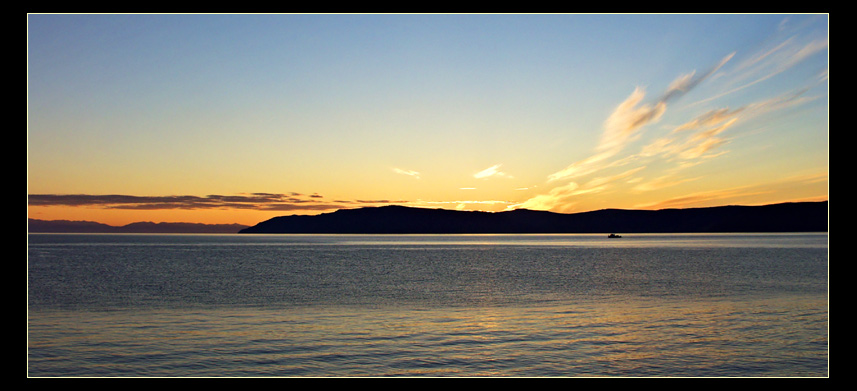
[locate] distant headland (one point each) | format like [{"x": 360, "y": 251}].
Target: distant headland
[
  {"x": 68, "y": 226},
  {"x": 784, "y": 217}
]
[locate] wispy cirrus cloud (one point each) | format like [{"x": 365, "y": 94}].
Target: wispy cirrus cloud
[
  {"x": 696, "y": 139},
  {"x": 560, "y": 198},
  {"x": 692, "y": 145},
  {"x": 694, "y": 142},
  {"x": 710, "y": 118},
  {"x": 767, "y": 64},
  {"x": 557, "y": 198},
  {"x": 661, "y": 182},
  {"x": 620, "y": 128},
  {"x": 700, "y": 198},
  {"x": 629, "y": 117},
  {"x": 773, "y": 58},
  {"x": 742, "y": 192}
]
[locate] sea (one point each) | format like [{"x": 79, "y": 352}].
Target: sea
[{"x": 565, "y": 306}]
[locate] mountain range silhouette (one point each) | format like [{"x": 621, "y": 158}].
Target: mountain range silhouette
[
  {"x": 68, "y": 226},
  {"x": 784, "y": 217}
]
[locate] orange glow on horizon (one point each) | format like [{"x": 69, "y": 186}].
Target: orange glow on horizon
[
  {"x": 120, "y": 217},
  {"x": 117, "y": 217}
]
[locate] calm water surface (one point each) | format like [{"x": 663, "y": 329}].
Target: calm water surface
[{"x": 428, "y": 305}]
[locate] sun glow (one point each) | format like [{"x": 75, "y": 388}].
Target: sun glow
[{"x": 221, "y": 125}]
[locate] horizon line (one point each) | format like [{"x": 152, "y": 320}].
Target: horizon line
[{"x": 430, "y": 208}]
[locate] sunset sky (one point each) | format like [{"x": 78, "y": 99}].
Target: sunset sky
[{"x": 240, "y": 118}]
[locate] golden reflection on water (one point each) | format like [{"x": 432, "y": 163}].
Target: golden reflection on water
[{"x": 619, "y": 338}]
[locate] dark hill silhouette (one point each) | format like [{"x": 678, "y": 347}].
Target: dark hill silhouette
[
  {"x": 67, "y": 226},
  {"x": 785, "y": 217}
]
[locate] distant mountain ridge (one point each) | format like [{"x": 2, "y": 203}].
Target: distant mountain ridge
[
  {"x": 784, "y": 217},
  {"x": 67, "y": 226}
]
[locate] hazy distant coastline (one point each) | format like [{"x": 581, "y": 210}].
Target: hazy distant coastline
[{"x": 66, "y": 226}]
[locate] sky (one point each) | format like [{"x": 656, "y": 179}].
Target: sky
[{"x": 238, "y": 118}]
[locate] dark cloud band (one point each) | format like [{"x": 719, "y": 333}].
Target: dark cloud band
[{"x": 252, "y": 201}]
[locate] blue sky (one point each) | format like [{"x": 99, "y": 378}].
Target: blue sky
[{"x": 489, "y": 112}]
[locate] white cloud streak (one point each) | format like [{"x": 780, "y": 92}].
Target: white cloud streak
[
  {"x": 626, "y": 121},
  {"x": 411, "y": 173},
  {"x": 687, "y": 144},
  {"x": 490, "y": 172}
]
